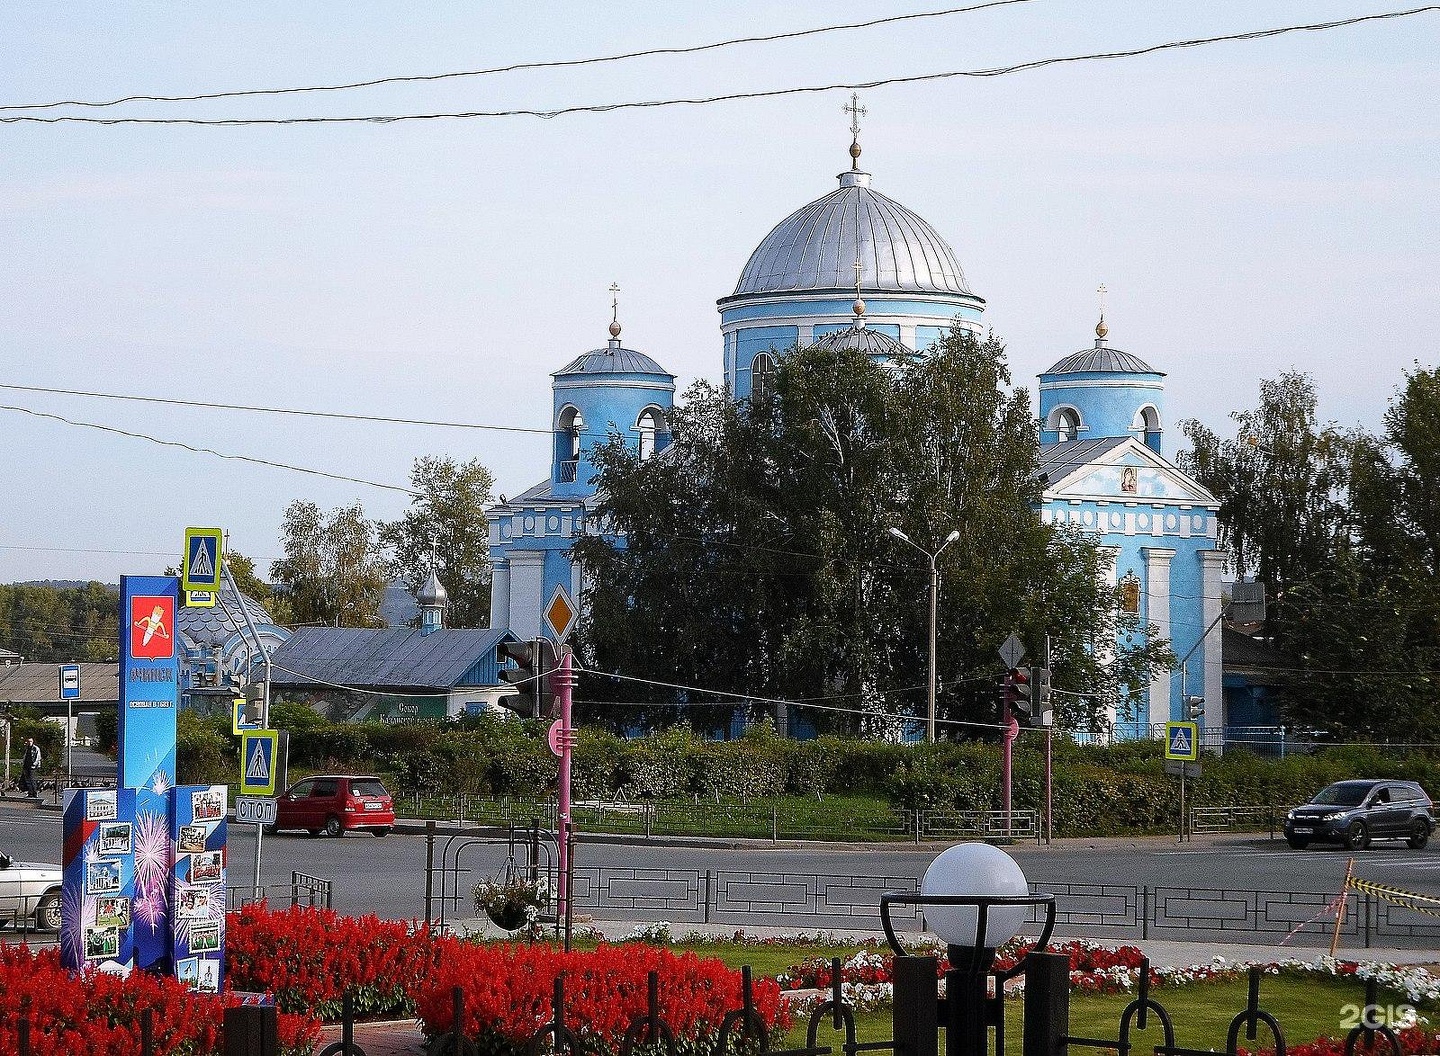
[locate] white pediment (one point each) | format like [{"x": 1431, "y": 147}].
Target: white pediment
[{"x": 1128, "y": 472}]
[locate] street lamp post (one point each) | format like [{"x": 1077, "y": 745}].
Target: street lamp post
[{"x": 934, "y": 602}]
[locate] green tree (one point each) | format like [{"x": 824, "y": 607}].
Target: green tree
[
  {"x": 333, "y": 571},
  {"x": 46, "y": 624},
  {"x": 446, "y": 524},
  {"x": 1282, "y": 483},
  {"x": 1343, "y": 530},
  {"x": 757, "y": 558}
]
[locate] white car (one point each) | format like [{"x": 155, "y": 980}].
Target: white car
[{"x": 29, "y": 889}]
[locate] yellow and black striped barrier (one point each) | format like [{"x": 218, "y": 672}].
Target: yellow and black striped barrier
[{"x": 1427, "y": 904}]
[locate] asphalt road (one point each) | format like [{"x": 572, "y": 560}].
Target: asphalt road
[{"x": 387, "y": 876}]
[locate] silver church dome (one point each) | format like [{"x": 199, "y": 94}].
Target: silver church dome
[{"x": 815, "y": 248}]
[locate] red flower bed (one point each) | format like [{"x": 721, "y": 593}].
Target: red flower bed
[
  {"x": 309, "y": 958},
  {"x": 1413, "y": 1041},
  {"x": 1089, "y": 964},
  {"x": 94, "y": 1012},
  {"x": 509, "y": 989}
]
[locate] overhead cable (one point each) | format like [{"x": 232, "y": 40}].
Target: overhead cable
[
  {"x": 652, "y": 104},
  {"x": 518, "y": 66},
  {"x": 209, "y": 450}
]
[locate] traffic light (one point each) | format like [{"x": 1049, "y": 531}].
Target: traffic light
[
  {"x": 1040, "y": 694},
  {"x": 534, "y": 664},
  {"x": 1194, "y": 708},
  {"x": 1019, "y": 691}
]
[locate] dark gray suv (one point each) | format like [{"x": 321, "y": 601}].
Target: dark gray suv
[{"x": 1355, "y": 812}]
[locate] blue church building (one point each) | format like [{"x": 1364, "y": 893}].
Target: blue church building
[{"x": 857, "y": 267}]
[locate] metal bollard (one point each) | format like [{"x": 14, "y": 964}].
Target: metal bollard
[{"x": 251, "y": 1031}]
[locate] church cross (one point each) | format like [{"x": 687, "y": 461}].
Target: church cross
[
  {"x": 1102, "y": 291},
  {"x": 856, "y": 112},
  {"x": 614, "y": 302}
]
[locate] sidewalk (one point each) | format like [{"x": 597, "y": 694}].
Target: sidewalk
[{"x": 403, "y": 1038}]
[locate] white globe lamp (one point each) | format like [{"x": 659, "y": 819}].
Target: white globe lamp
[{"x": 975, "y": 870}]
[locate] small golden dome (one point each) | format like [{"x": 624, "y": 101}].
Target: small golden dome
[
  {"x": 615, "y": 329},
  {"x": 855, "y": 149},
  {"x": 858, "y": 307},
  {"x": 1101, "y": 329}
]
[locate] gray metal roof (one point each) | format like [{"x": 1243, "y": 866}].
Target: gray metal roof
[
  {"x": 815, "y": 248},
  {"x": 215, "y": 625},
  {"x": 1102, "y": 360},
  {"x": 40, "y": 683},
  {"x": 1058, "y": 461},
  {"x": 862, "y": 339},
  {"x": 394, "y": 657},
  {"x": 613, "y": 360}
]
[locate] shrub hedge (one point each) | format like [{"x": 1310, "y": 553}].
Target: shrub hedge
[{"x": 1096, "y": 790}]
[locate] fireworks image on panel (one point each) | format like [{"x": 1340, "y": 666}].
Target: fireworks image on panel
[{"x": 152, "y": 868}]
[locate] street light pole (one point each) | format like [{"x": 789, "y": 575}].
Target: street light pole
[{"x": 934, "y": 606}]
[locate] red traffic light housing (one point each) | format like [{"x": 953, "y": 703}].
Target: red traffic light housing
[
  {"x": 1018, "y": 690},
  {"x": 534, "y": 663}
]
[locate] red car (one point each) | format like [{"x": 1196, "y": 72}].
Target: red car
[{"x": 335, "y": 804}]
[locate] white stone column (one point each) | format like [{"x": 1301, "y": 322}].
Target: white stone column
[
  {"x": 527, "y": 583},
  {"x": 1212, "y": 563},
  {"x": 1157, "y": 612},
  {"x": 1105, "y": 651},
  {"x": 500, "y": 595}
]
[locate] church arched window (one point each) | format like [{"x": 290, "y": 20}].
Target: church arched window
[
  {"x": 649, "y": 425},
  {"x": 762, "y": 375},
  {"x": 1067, "y": 424},
  {"x": 1148, "y": 421},
  {"x": 568, "y": 428}
]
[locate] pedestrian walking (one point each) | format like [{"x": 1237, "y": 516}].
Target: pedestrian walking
[{"x": 30, "y": 769}]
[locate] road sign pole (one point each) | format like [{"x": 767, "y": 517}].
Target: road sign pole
[
  {"x": 255, "y": 886},
  {"x": 1182, "y": 804},
  {"x": 566, "y": 738}
]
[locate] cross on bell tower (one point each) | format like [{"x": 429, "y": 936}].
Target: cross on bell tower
[{"x": 856, "y": 111}]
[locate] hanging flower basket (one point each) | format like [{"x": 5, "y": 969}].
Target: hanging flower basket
[{"x": 511, "y": 901}]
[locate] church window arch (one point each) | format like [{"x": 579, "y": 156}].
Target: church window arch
[
  {"x": 762, "y": 375},
  {"x": 568, "y": 426},
  {"x": 650, "y": 425},
  {"x": 1147, "y": 421},
  {"x": 1066, "y": 423}
]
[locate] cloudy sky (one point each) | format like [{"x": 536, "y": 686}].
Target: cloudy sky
[{"x": 1251, "y": 206}]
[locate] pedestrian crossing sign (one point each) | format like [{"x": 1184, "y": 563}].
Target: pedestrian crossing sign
[
  {"x": 204, "y": 550},
  {"x": 260, "y": 762},
  {"x": 1182, "y": 741}
]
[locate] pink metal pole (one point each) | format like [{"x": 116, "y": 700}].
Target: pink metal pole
[
  {"x": 1009, "y": 738},
  {"x": 567, "y": 741}
]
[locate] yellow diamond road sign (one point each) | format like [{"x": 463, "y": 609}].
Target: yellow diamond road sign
[{"x": 560, "y": 615}]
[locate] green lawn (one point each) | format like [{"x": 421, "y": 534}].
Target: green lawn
[
  {"x": 1201, "y": 1014},
  {"x": 1306, "y": 1008}
]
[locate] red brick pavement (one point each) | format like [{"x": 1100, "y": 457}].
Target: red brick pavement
[{"x": 401, "y": 1038}]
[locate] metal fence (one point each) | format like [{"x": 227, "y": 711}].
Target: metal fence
[
  {"x": 302, "y": 890},
  {"x": 735, "y": 820},
  {"x": 740, "y": 897}
]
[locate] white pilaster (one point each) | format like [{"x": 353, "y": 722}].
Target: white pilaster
[
  {"x": 527, "y": 583},
  {"x": 500, "y": 594},
  {"x": 1212, "y": 563},
  {"x": 1157, "y": 612}
]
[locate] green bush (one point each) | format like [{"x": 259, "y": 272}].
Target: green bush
[{"x": 1097, "y": 790}]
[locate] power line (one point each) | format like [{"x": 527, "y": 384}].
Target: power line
[
  {"x": 171, "y": 401},
  {"x": 652, "y": 104},
  {"x": 87, "y": 550},
  {"x": 208, "y": 450},
  {"x": 519, "y": 66}
]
